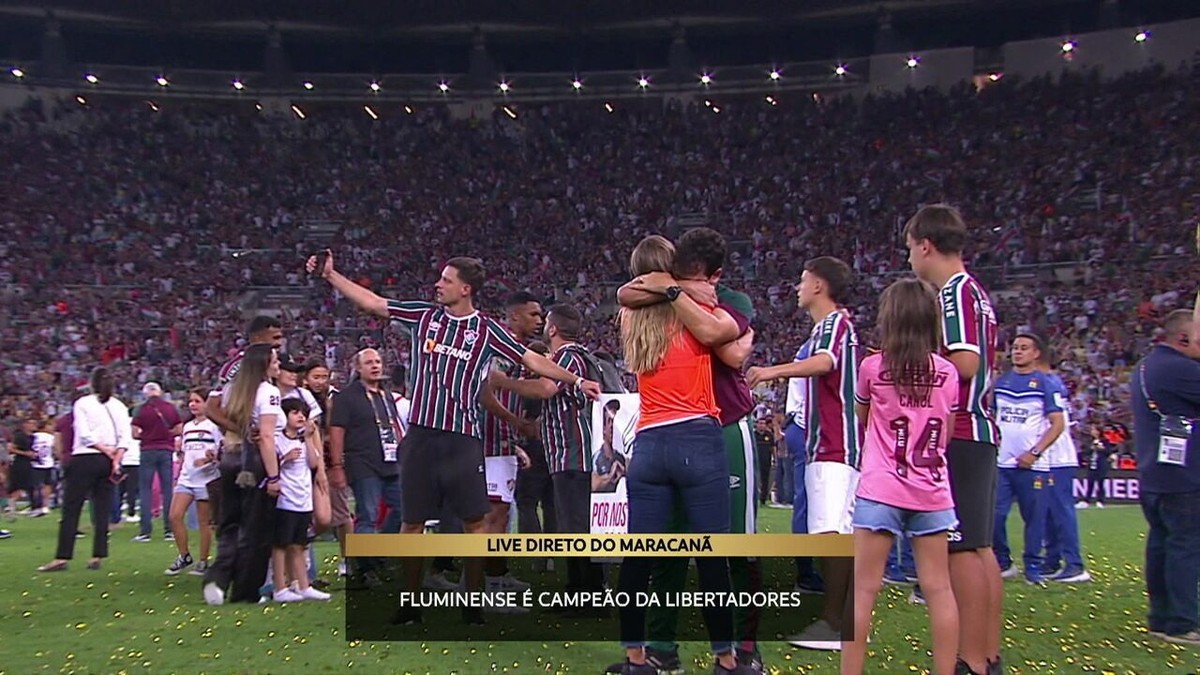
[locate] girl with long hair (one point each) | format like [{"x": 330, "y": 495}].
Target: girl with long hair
[
  {"x": 678, "y": 455},
  {"x": 249, "y": 479},
  {"x": 102, "y": 434},
  {"x": 905, "y": 392},
  {"x": 200, "y": 451}
]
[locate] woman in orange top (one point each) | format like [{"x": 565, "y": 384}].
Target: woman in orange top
[{"x": 678, "y": 454}]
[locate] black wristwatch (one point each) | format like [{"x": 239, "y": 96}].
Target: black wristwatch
[{"x": 673, "y": 293}]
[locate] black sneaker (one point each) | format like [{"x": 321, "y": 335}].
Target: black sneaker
[
  {"x": 169, "y": 536},
  {"x": 666, "y": 661},
  {"x": 5, "y": 534},
  {"x": 751, "y": 660},
  {"x": 739, "y": 669},
  {"x": 628, "y": 668},
  {"x": 961, "y": 668},
  {"x": 473, "y": 616},
  {"x": 143, "y": 539},
  {"x": 615, "y": 668},
  {"x": 181, "y": 563},
  {"x": 407, "y": 616}
]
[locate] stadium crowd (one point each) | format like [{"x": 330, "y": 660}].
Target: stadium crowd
[{"x": 121, "y": 221}]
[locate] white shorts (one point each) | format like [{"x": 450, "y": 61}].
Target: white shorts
[
  {"x": 501, "y": 474},
  {"x": 831, "y": 487}
]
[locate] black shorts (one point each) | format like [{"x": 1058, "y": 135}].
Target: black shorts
[
  {"x": 43, "y": 477},
  {"x": 973, "y": 479},
  {"x": 442, "y": 469},
  {"x": 20, "y": 476},
  {"x": 291, "y": 528}
]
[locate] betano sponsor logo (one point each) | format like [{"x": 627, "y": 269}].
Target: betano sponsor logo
[{"x": 434, "y": 347}]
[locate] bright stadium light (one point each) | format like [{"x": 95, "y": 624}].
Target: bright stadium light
[
  {"x": 912, "y": 62},
  {"x": 371, "y": 112},
  {"x": 643, "y": 82},
  {"x": 503, "y": 86},
  {"x": 81, "y": 100},
  {"x": 92, "y": 79},
  {"x": 1141, "y": 36},
  {"x": 299, "y": 113},
  {"x": 577, "y": 84},
  {"x": 237, "y": 84},
  {"x": 162, "y": 81},
  {"x": 706, "y": 79},
  {"x": 375, "y": 87},
  {"x": 17, "y": 72},
  {"x": 308, "y": 86},
  {"x": 775, "y": 75},
  {"x": 443, "y": 87},
  {"x": 840, "y": 70},
  {"x": 1068, "y": 47}
]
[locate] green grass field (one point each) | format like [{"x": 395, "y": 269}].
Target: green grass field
[{"x": 130, "y": 618}]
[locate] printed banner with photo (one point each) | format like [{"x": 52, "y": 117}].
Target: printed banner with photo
[{"x": 614, "y": 419}]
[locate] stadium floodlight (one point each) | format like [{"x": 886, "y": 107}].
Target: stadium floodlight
[
  {"x": 504, "y": 87},
  {"x": 643, "y": 82},
  {"x": 775, "y": 75},
  {"x": 299, "y": 113},
  {"x": 81, "y": 100},
  {"x": 1068, "y": 46},
  {"x": 995, "y": 77},
  {"x": 1141, "y": 36},
  {"x": 706, "y": 79},
  {"x": 840, "y": 70},
  {"x": 162, "y": 81},
  {"x": 237, "y": 84},
  {"x": 371, "y": 112},
  {"x": 577, "y": 84},
  {"x": 308, "y": 85},
  {"x": 375, "y": 87},
  {"x": 92, "y": 79},
  {"x": 912, "y": 62},
  {"x": 17, "y": 72},
  {"x": 608, "y": 107},
  {"x": 443, "y": 87}
]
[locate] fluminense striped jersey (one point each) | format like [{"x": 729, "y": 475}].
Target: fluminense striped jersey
[
  {"x": 969, "y": 324},
  {"x": 228, "y": 371},
  {"x": 450, "y": 358},
  {"x": 834, "y": 433},
  {"x": 499, "y": 437},
  {"x": 566, "y": 424}
]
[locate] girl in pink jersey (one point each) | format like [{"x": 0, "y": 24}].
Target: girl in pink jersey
[{"x": 905, "y": 393}]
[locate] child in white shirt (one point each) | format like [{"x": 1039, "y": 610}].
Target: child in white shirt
[{"x": 298, "y": 457}]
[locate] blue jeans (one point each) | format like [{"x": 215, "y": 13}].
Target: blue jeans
[
  {"x": 160, "y": 463},
  {"x": 1029, "y": 489},
  {"x": 685, "y": 462},
  {"x": 1172, "y": 560},
  {"x": 367, "y": 491},
  {"x": 1062, "y": 526},
  {"x": 796, "y": 442},
  {"x": 900, "y": 562}
]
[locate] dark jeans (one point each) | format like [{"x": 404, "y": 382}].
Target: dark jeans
[
  {"x": 244, "y": 532},
  {"x": 1062, "y": 524},
  {"x": 1028, "y": 488},
  {"x": 86, "y": 478},
  {"x": 685, "y": 461},
  {"x": 764, "y": 454},
  {"x": 1172, "y": 560},
  {"x": 1096, "y": 490},
  {"x": 368, "y": 490},
  {"x": 534, "y": 488},
  {"x": 900, "y": 562},
  {"x": 573, "y": 509},
  {"x": 126, "y": 492},
  {"x": 155, "y": 463},
  {"x": 794, "y": 436}
]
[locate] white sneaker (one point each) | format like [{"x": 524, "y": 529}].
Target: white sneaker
[
  {"x": 133, "y": 519},
  {"x": 506, "y": 582},
  {"x": 1081, "y": 505},
  {"x": 819, "y": 636},
  {"x": 288, "y": 595},
  {"x": 213, "y": 594},
  {"x": 342, "y": 571},
  {"x": 311, "y": 593},
  {"x": 1010, "y": 572},
  {"x": 1099, "y": 505},
  {"x": 439, "y": 582}
]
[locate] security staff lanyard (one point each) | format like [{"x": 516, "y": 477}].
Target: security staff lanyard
[
  {"x": 390, "y": 441},
  {"x": 1173, "y": 430}
]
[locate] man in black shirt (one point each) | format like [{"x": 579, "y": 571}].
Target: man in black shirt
[
  {"x": 20, "y": 477},
  {"x": 764, "y": 441},
  {"x": 364, "y": 437}
]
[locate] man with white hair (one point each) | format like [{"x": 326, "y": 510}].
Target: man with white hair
[{"x": 155, "y": 425}]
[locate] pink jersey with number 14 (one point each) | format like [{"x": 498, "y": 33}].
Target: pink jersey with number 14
[{"x": 904, "y": 460}]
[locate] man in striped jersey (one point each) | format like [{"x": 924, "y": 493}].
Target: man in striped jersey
[
  {"x": 566, "y": 430},
  {"x": 935, "y": 237},
  {"x": 833, "y": 436},
  {"x": 503, "y": 428},
  {"x": 452, "y": 348}
]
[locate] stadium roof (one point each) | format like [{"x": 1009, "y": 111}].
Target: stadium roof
[{"x": 533, "y": 34}]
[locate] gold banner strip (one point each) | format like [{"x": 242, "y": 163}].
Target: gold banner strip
[{"x": 600, "y": 545}]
